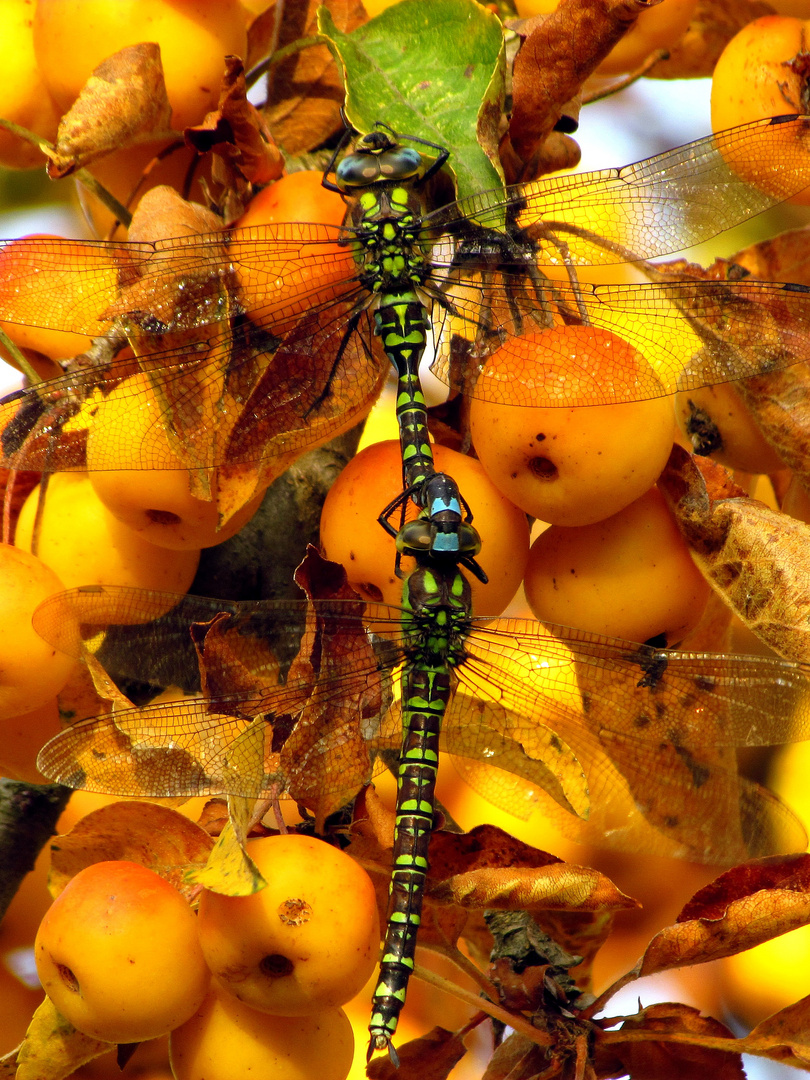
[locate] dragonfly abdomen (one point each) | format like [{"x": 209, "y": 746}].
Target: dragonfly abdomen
[
  {"x": 401, "y": 322},
  {"x": 426, "y": 692}
]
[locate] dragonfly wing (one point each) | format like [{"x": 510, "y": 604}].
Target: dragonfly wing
[
  {"x": 688, "y": 333},
  {"x": 306, "y": 674},
  {"x": 655, "y": 207},
  {"x": 654, "y": 733},
  {"x": 515, "y": 775}
]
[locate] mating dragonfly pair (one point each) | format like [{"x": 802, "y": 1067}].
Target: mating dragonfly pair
[{"x": 537, "y": 717}]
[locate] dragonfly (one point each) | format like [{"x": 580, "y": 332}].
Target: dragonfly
[
  {"x": 617, "y": 743},
  {"x": 210, "y": 318}
]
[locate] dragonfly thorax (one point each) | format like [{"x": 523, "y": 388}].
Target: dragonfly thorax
[{"x": 438, "y": 616}]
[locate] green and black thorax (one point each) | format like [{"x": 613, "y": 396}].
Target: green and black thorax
[{"x": 436, "y": 616}]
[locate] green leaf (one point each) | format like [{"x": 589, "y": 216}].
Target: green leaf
[{"x": 431, "y": 69}]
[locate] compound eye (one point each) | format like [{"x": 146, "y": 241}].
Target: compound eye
[
  {"x": 357, "y": 170},
  {"x": 400, "y": 164},
  {"x": 414, "y": 536},
  {"x": 469, "y": 541}
]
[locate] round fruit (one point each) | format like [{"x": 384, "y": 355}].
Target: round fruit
[
  {"x": 572, "y": 466},
  {"x": 31, "y": 671},
  {"x": 630, "y": 576},
  {"x": 85, "y": 545},
  {"x": 350, "y": 533},
  {"x": 118, "y": 955},
  {"x": 155, "y": 502},
  {"x": 762, "y": 72},
  {"x": 227, "y": 1040},
  {"x": 277, "y": 301},
  {"x": 717, "y": 423},
  {"x": 307, "y": 942},
  {"x": 72, "y": 37},
  {"x": 21, "y": 739},
  {"x": 23, "y": 97}
]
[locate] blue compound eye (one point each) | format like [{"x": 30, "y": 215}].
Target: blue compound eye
[{"x": 366, "y": 166}]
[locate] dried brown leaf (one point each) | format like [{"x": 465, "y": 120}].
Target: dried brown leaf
[
  {"x": 517, "y": 1058},
  {"x": 558, "y": 886},
  {"x": 125, "y": 97},
  {"x": 785, "y": 1036},
  {"x": 785, "y": 257},
  {"x": 779, "y": 402},
  {"x": 317, "y": 778},
  {"x": 236, "y": 133},
  {"x": 740, "y": 909},
  {"x": 155, "y": 836},
  {"x": 756, "y": 558},
  {"x": 663, "y": 1060},
  {"x": 430, "y": 1057},
  {"x": 305, "y": 91},
  {"x": 548, "y": 73}
]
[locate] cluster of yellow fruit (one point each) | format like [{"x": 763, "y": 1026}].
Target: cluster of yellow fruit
[
  {"x": 587, "y": 471},
  {"x": 47, "y": 60},
  {"x": 247, "y": 986}
]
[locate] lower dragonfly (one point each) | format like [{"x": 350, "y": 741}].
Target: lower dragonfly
[
  {"x": 617, "y": 743},
  {"x": 275, "y": 329}
]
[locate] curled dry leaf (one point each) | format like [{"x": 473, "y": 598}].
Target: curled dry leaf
[
  {"x": 155, "y": 836},
  {"x": 756, "y": 558},
  {"x": 571, "y": 888},
  {"x": 238, "y": 136},
  {"x": 738, "y": 910},
  {"x": 53, "y": 1048},
  {"x": 304, "y": 91},
  {"x": 713, "y": 25},
  {"x": 330, "y": 720},
  {"x": 779, "y": 402},
  {"x": 785, "y": 1036},
  {"x": 653, "y": 1058},
  {"x": 124, "y": 98},
  {"x": 548, "y": 73},
  {"x": 229, "y": 869}
]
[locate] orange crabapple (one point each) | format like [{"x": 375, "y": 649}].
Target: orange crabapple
[
  {"x": 155, "y": 502},
  {"x": 71, "y": 37},
  {"x": 227, "y": 1040},
  {"x": 32, "y": 672},
  {"x": 117, "y": 953},
  {"x": 85, "y": 544},
  {"x": 763, "y": 72},
  {"x": 628, "y": 576},
  {"x": 297, "y": 197},
  {"x": 306, "y": 942},
  {"x": 24, "y": 99},
  {"x": 572, "y": 463},
  {"x": 720, "y": 414}
]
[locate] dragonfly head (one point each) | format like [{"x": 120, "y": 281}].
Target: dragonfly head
[{"x": 377, "y": 157}]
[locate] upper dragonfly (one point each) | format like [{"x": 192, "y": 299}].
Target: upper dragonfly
[{"x": 269, "y": 334}]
